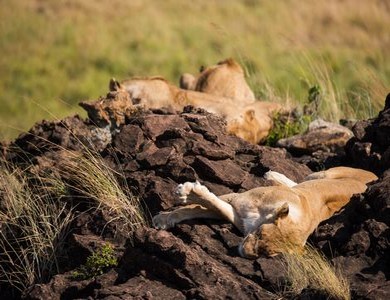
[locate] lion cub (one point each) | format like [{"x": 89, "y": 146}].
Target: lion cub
[{"x": 274, "y": 218}]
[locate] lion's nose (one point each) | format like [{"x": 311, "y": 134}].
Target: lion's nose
[{"x": 247, "y": 247}]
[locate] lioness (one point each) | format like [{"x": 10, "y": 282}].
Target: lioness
[
  {"x": 225, "y": 79},
  {"x": 274, "y": 218},
  {"x": 252, "y": 122},
  {"x": 156, "y": 92}
]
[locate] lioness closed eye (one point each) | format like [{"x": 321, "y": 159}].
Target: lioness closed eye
[{"x": 274, "y": 218}]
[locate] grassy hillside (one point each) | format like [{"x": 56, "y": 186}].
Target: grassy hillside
[{"x": 57, "y": 53}]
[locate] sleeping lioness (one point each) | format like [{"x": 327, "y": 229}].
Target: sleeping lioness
[
  {"x": 250, "y": 121},
  {"x": 225, "y": 79},
  {"x": 274, "y": 218}
]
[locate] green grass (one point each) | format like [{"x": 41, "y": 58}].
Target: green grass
[
  {"x": 285, "y": 126},
  {"x": 57, "y": 53},
  {"x": 97, "y": 263}
]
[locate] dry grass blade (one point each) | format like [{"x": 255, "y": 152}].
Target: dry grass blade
[
  {"x": 90, "y": 176},
  {"x": 33, "y": 227},
  {"x": 310, "y": 269}
]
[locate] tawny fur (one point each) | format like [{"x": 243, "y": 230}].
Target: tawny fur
[
  {"x": 275, "y": 218},
  {"x": 225, "y": 79},
  {"x": 251, "y": 122}
]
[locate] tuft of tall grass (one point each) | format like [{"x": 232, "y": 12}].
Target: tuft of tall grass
[
  {"x": 34, "y": 222},
  {"x": 363, "y": 99},
  {"x": 92, "y": 178},
  {"x": 33, "y": 227},
  {"x": 310, "y": 269}
]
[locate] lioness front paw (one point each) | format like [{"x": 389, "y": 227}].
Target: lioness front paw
[
  {"x": 183, "y": 190},
  {"x": 164, "y": 220},
  {"x": 186, "y": 189}
]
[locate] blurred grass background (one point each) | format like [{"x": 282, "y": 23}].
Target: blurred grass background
[{"x": 55, "y": 53}]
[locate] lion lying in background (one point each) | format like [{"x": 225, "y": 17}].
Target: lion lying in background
[
  {"x": 247, "y": 119},
  {"x": 225, "y": 79},
  {"x": 274, "y": 218}
]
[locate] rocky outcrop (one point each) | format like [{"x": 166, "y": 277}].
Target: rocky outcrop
[
  {"x": 156, "y": 150},
  {"x": 358, "y": 241},
  {"x": 370, "y": 148},
  {"x": 198, "y": 259},
  {"x": 321, "y": 146},
  {"x": 320, "y": 136},
  {"x": 358, "y": 238}
]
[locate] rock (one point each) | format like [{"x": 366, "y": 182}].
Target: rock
[
  {"x": 193, "y": 269},
  {"x": 358, "y": 238},
  {"x": 111, "y": 110},
  {"x": 155, "y": 125},
  {"x": 225, "y": 172},
  {"x": 321, "y": 136},
  {"x": 129, "y": 140},
  {"x": 72, "y": 134},
  {"x": 153, "y": 156},
  {"x": 139, "y": 287},
  {"x": 320, "y": 160},
  {"x": 370, "y": 148},
  {"x": 277, "y": 160},
  {"x": 155, "y": 150}
]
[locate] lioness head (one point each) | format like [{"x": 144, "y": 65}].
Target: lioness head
[
  {"x": 148, "y": 92},
  {"x": 110, "y": 110},
  {"x": 274, "y": 237},
  {"x": 225, "y": 79},
  {"x": 250, "y": 126}
]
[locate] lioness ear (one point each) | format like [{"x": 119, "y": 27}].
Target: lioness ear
[
  {"x": 114, "y": 85},
  {"x": 282, "y": 211},
  {"x": 250, "y": 114}
]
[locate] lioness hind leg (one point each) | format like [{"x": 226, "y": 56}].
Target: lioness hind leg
[
  {"x": 343, "y": 172},
  {"x": 194, "y": 192},
  {"x": 166, "y": 220},
  {"x": 279, "y": 178}
]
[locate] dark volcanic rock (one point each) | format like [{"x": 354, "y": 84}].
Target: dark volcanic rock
[
  {"x": 71, "y": 133},
  {"x": 192, "y": 269},
  {"x": 370, "y": 148},
  {"x": 158, "y": 149},
  {"x": 129, "y": 140},
  {"x": 358, "y": 239},
  {"x": 165, "y": 150},
  {"x": 321, "y": 147},
  {"x": 321, "y": 136}
]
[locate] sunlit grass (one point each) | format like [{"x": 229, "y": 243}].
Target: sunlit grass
[
  {"x": 90, "y": 176},
  {"x": 310, "y": 269},
  {"x": 55, "y": 51},
  {"x": 33, "y": 227},
  {"x": 34, "y": 221}
]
